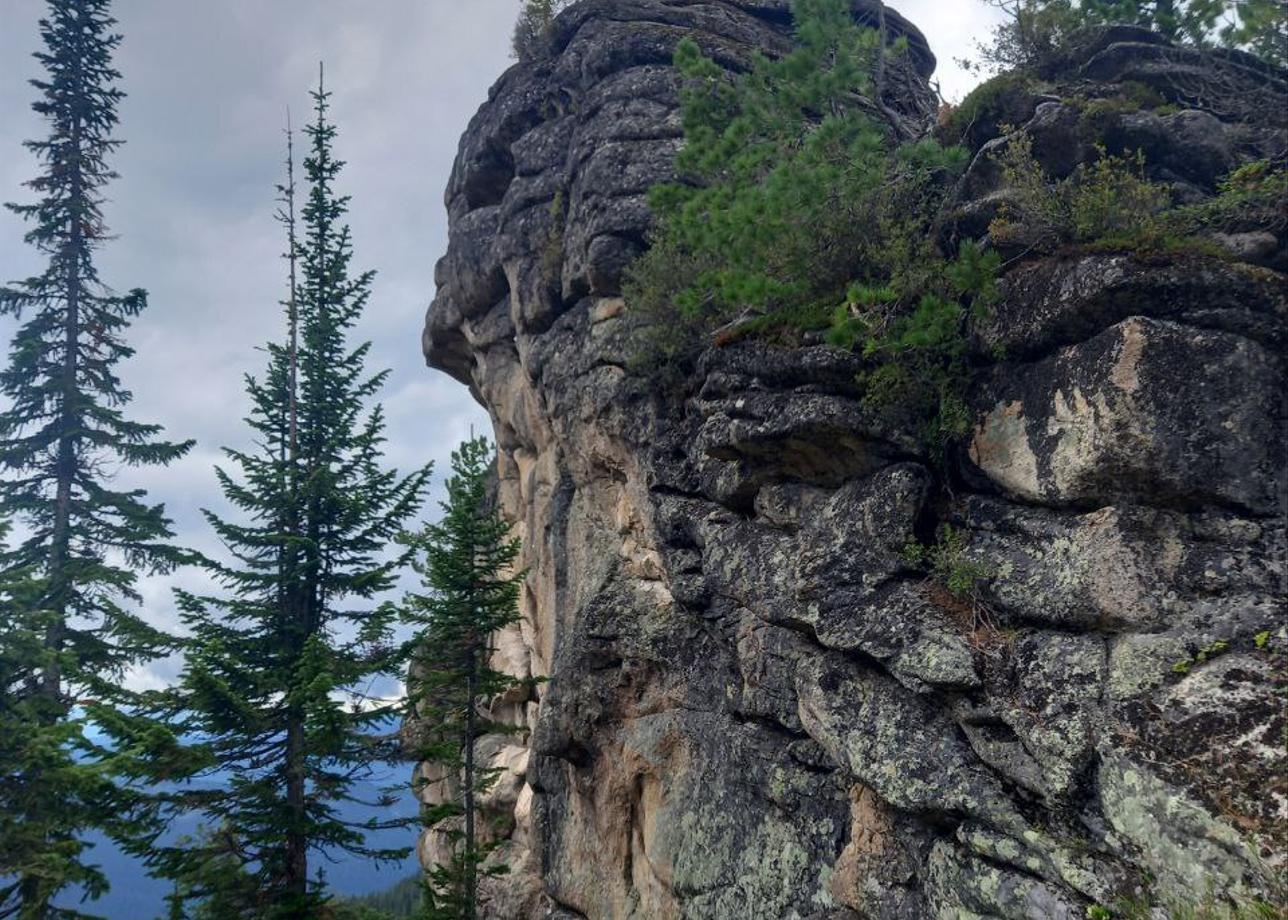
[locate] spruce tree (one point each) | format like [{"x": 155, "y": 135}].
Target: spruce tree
[
  {"x": 279, "y": 660},
  {"x": 76, "y": 740},
  {"x": 465, "y": 562}
]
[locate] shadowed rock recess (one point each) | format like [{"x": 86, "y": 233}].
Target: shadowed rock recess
[{"x": 755, "y": 706}]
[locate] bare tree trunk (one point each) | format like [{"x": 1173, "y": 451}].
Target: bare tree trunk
[
  {"x": 901, "y": 131},
  {"x": 297, "y": 865},
  {"x": 471, "y": 689},
  {"x": 50, "y": 684},
  {"x": 292, "y": 308}
]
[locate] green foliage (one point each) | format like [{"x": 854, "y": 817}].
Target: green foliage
[
  {"x": 552, "y": 254},
  {"x": 401, "y": 900},
  {"x": 1188, "y": 21},
  {"x": 793, "y": 200},
  {"x": 77, "y": 747},
  {"x": 465, "y": 562},
  {"x": 218, "y": 886},
  {"x": 984, "y": 103},
  {"x": 1211, "y": 650},
  {"x": 919, "y": 356},
  {"x": 277, "y": 670},
  {"x": 37, "y": 754},
  {"x": 1254, "y": 196},
  {"x": 1109, "y": 199},
  {"x": 1130, "y": 97},
  {"x": 66, "y": 769},
  {"x": 1110, "y": 205},
  {"x": 1261, "y": 28},
  {"x": 1034, "y": 30},
  {"x": 776, "y": 165},
  {"x": 1030, "y": 35},
  {"x": 947, "y": 562},
  {"x": 532, "y": 28}
]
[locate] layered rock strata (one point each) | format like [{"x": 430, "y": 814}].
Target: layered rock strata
[{"x": 756, "y": 706}]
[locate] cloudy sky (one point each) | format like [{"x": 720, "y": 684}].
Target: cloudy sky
[{"x": 209, "y": 85}]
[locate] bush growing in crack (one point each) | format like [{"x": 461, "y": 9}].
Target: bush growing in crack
[
  {"x": 1110, "y": 205},
  {"x": 1110, "y": 199},
  {"x": 958, "y": 579},
  {"x": 798, "y": 212},
  {"x": 947, "y": 562},
  {"x": 1252, "y": 197},
  {"x": 552, "y": 254}
]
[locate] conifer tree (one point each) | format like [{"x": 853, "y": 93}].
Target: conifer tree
[
  {"x": 465, "y": 562},
  {"x": 279, "y": 660},
  {"x": 1261, "y": 28},
  {"x": 1033, "y": 29},
  {"x": 533, "y": 27},
  {"x": 76, "y": 740}
]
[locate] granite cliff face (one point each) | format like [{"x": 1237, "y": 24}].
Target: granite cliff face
[{"x": 756, "y": 707}]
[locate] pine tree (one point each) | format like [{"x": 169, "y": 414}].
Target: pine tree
[
  {"x": 1261, "y": 28},
  {"x": 278, "y": 663},
  {"x": 83, "y": 542},
  {"x": 1034, "y": 29},
  {"x": 465, "y": 562},
  {"x": 533, "y": 27}
]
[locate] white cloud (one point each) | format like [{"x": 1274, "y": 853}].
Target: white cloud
[{"x": 952, "y": 27}]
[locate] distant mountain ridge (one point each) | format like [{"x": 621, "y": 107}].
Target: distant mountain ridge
[{"x": 136, "y": 896}]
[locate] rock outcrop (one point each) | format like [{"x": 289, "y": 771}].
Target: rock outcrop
[{"x": 756, "y": 706}]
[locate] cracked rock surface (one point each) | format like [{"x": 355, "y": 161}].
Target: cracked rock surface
[{"x": 756, "y": 707}]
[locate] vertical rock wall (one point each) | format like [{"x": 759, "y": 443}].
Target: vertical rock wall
[{"x": 756, "y": 708}]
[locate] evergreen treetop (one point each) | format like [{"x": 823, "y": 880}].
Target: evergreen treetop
[
  {"x": 64, "y": 427},
  {"x": 279, "y": 666},
  {"x": 801, "y": 205},
  {"x": 81, "y": 742},
  {"x": 466, "y": 564}
]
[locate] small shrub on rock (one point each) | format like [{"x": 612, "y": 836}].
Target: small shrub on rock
[
  {"x": 1252, "y": 197},
  {"x": 797, "y": 210},
  {"x": 1109, "y": 199},
  {"x": 948, "y": 563},
  {"x": 1110, "y": 205},
  {"x": 1004, "y": 98}
]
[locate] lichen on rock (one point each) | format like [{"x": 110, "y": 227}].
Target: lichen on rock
[{"x": 755, "y": 706}]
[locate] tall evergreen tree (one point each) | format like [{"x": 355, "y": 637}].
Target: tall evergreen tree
[
  {"x": 466, "y": 563},
  {"x": 84, "y": 542},
  {"x": 277, "y": 661}
]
